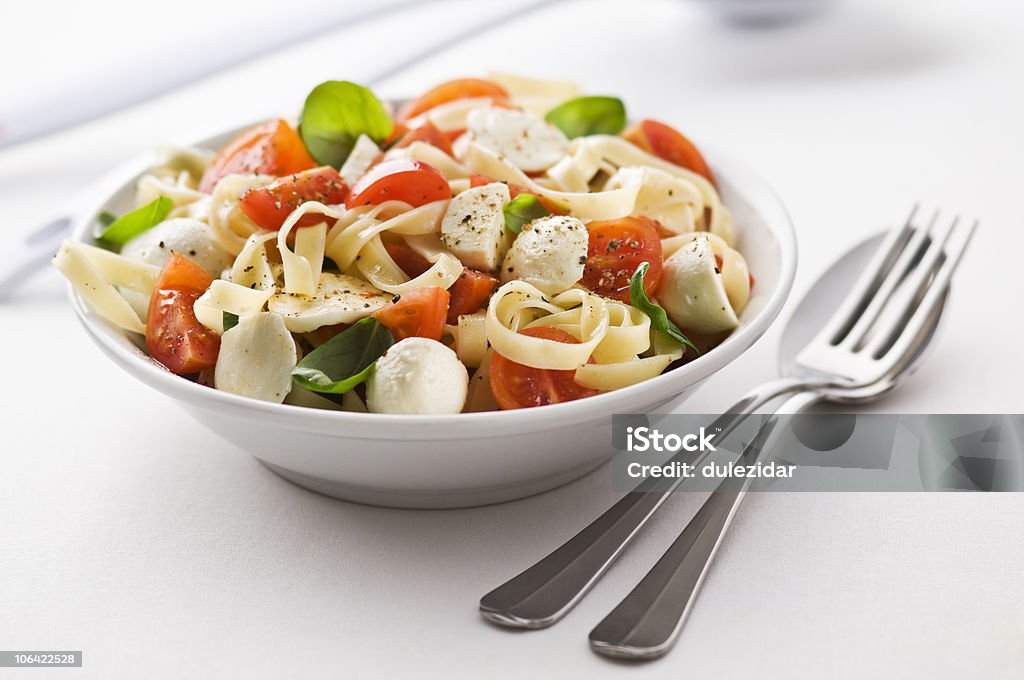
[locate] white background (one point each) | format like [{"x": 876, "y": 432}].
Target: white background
[{"x": 129, "y": 532}]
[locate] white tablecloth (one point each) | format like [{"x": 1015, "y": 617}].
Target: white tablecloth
[{"x": 129, "y": 532}]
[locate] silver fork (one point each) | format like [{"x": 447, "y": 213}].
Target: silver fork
[
  {"x": 873, "y": 341},
  {"x": 862, "y": 343}
]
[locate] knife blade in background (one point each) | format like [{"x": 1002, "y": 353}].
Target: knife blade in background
[
  {"x": 138, "y": 78},
  {"x": 40, "y": 245}
]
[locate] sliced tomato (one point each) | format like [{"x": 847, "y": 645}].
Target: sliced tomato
[
  {"x": 271, "y": 148},
  {"x": 462, "y": 88},
  {"x": 400, "y": 179},
  {"x": 419, "y": 313},
  {"x": 515, "y": 385},
  {"x": 398, "y": 130},
  {"x": 174, "y": 337},
  {"x": 407, "y": 259},
  {"x": 452, "y": 135},
  {"x": 514, "y": 190},
  {"x": 480, "y": 181},
  {"x": 668, "y": 144},
  {"x": 615, "y": 249},
  {"x": 469, "y": 293},
  {"x": 428, "y": 133},
  {"x": 271, "y": 205}
]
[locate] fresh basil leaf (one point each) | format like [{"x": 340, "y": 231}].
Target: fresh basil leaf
[
  {"x": 106, "y": 218},
  {"x": 336, "y": 112},
  {"x": 659, "y": 319},
  {"x": 589, "y": 116},
  {"x": 522, "y": 210},
  {"x": 230, "y": 321},
  {"x": 345, "y": 360},
  {"x": 128, "y": 226}
]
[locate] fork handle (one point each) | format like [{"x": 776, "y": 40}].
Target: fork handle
[
  {"x": 648, "y": 621},
  {"x": 544, "y": 593},
  {"x": 33, "y": 255}
]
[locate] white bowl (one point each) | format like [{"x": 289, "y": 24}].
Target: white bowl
[{"x": 458, "y": 460}]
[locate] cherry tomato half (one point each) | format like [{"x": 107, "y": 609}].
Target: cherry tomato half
[
  {"x": 271, "y": 205},
  {"x": 400, "y": 179},
  {"x": 271, "y": 148},
  {"x": 668, "y": 144},
  {"x": 174, "y": 337},
  {"x": 407, "y": 259},
  {"x": 398, "y": 130},
  {"x": 428, "y": 133},
  {"x": 615, "y": 249},
  {"x": 418, "y": 313},
  {"x": 463, "y": 88},
  {"x": 515, "y": 385},
  {"x": 469, "y": 293}
]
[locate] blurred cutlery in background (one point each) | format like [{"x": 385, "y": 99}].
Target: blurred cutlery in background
[
  {"x": 104, "y": 95},
  {"x": 144, "y": 77}
]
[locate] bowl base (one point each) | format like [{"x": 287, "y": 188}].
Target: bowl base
[{"x": 446, "y": 498}]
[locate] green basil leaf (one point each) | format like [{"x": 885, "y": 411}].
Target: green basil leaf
[
  {"x": 230, "y": 321},
  {"x": 589, "y": 116},
  {"x": 106, "y": 218},
  {"x": 336, "y": 112},
  {"x": 344, "y": 361},
  {"x": 659, "y": 319},
  {"x": 522, "y": 210},
  {"x": 128, "y": 226}
]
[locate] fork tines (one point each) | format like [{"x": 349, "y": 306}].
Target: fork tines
[{"x": 894, "y": 298}]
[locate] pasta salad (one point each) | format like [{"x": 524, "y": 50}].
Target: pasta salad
[{"x": 496, "y": 243}]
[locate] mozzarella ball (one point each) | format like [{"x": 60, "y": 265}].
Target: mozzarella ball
[
  {"x": 692, "y": 290},
  {"x": 184, "y": 236},
  {"x": 473, "y": 227},
  {"x": 418, "y": 376},
  {"x": 549, "y": 253},
  {"x": 524, "y": 139},
  {"x": 256, "y": 358}
]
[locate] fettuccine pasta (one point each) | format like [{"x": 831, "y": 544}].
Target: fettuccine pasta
[{"x": 495, "y": 244}]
